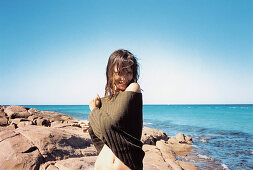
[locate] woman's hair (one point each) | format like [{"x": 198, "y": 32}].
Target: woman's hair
[{"x": 121, "y": 59}]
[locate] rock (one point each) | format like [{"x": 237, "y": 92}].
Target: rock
[
  {"x": 24, "y": 123},
  {"x": 172, "y": 140},
  {"x": 42, "y": 122},
  {"x": 17, "y": 152},
  {"x": 16, "y": 121},
  {"x": 77, "y": 163},
  {"x": 166, "y": 150},
  {"x": 33, "y": 111},
  {"x": 53, "y": 116},
  {"x": 2, "y": 113},
  {"x": 173, "y": 164},
  {"x": 56, "y": 124},
  {"x": 188, "y": 139},
  {"x": 17, "y": 112},
  {"x": 3, "y": 121},
  {"x": 32, "y": 117},
  {"x": 5, "y": 128},
  {"x": 45, "y": 140},
  {"x": 55, "y": 144},
  {"x": 154, "y": 157},
  {"x": 188, "y": 166},
  {"x": 150, "y": 135},
  {"x": 180, "y": 138}
]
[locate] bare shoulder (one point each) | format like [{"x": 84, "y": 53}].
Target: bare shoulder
[{"x": 135, "y": 87}]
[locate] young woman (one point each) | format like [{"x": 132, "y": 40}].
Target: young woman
[{"x": 116, "y": 120}]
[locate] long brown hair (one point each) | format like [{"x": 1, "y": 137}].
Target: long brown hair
[{"x": 122, "y": 59}]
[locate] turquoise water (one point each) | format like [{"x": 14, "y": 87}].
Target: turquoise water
[{"x": 223, "y": 133}]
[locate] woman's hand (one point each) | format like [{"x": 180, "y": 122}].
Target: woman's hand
[{"x": 95, "y": 102}]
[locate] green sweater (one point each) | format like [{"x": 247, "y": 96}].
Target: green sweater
[{"x": 118, "y": 124}]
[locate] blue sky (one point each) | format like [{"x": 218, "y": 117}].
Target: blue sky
[{"x": 190, "y": 52}]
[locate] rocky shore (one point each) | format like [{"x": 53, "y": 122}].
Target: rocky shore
[{"x": 33, "y": 139}]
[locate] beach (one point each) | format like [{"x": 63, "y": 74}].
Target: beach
[
  {"x": 34, "y": 139},
  {"x": 222, "y": 134},
  {"x": 214, "y": 129}
]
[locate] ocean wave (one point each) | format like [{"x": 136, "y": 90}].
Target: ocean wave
[
  {"x": 204, "y": 157},
  {"x": 196, "y": 146},
  {"x": 232, "y": 107},
  {"x": 147, "y": 123},
  {"x": 225, "y": 167}
]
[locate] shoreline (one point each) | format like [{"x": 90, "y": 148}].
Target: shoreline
[{"x": 18, "y": 120}]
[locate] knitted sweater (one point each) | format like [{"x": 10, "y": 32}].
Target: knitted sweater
[{"x": 118, "y": 124}]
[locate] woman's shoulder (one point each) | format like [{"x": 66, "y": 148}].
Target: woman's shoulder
[{"x": 134, "y": 87}]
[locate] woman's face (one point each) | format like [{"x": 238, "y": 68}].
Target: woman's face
[{"x": 122, "y": 78}]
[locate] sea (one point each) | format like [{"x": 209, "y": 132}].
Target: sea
[{"x": 222, "y": 134}]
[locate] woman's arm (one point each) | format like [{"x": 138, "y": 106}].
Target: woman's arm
[{"x": 135, "y": 87}]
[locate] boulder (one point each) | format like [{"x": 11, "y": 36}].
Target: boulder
[
  {"x": 54, "y": 116},
  {"x": 77, "y": 163},
  {"x": 33, "y": 111},
  {"x": 172, "y": 140},
  {"x": 150, "y": 135},
  {"x": 17, "y": 112},
  {"x": 3, "y": 121},
  {"x": 2, "y": 113},
  {"x": 189, "y": 166},
  {"x": 17, "y": 152},
  {"x": 54, "y": 143},
  {"x": 188, "y": 139},
  {"x": 42, "y": 122},
  {"x": 181, "y": 138},
  {"x": 154, "y": 158},
  {"x": 166, "y": 150},
  {"x": 24, "y": 123}
]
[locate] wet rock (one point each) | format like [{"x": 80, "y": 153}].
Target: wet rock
[
  {"x": 181, "y": 138},
  {"x": 188, "y": 139}
]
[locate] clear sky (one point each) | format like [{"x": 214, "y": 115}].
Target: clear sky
[{"x": 190, "y": 51}]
